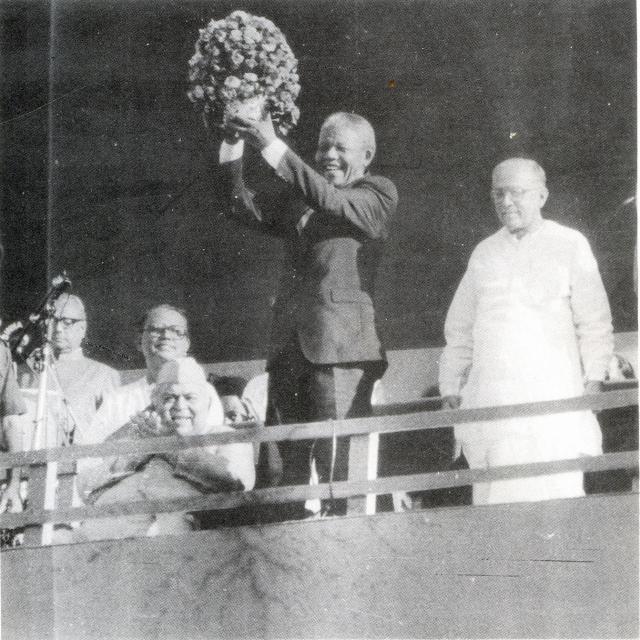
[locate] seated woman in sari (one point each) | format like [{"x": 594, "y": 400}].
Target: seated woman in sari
[{"x": 183, "y": 404}]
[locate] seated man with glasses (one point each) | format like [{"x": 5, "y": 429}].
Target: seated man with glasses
[
  {"x": 163, "y": 337},
  {"x": 530, "y": 321}
]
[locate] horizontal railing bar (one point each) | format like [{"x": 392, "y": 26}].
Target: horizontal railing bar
[
  {"x": 344, "y": 489},
  {"x": 433, "y": 403},
  {"x": 408, "y": 406},
  {"x": 397, "y": 417},
  {"x": 614, "y": 385},
  {"x": 611, "y": 399}
]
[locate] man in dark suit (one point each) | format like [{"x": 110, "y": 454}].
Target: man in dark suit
[{"x": 325, "y": 354}]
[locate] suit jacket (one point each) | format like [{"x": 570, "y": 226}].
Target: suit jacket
[{"x": 326, "y": 290}]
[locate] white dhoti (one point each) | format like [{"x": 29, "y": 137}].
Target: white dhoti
[{"x": 535, "y": 439}]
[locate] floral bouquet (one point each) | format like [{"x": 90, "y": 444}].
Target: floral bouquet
[{"x": 242, "y": 65}]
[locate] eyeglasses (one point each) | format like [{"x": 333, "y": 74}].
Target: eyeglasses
[
  {"x": 172, "y": 332},
  {"x": 514, "y": 194},
  {"x": 68, "y": 322}
]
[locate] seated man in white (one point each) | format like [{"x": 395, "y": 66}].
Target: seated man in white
[
  {"x": 184, "y": 404},
  {"x": 163, "y": 337}
]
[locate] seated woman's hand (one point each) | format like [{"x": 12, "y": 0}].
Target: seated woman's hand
[{"x": 148, "y": 424}]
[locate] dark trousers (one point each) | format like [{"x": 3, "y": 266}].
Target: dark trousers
[{"x": 300, "y": 391}]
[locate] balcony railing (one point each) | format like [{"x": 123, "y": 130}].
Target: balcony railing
[{"x": 390, "y": 418}]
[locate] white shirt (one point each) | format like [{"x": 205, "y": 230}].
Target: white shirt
[
  {"x": 531, "y": 314},
  {"x": 530, "y": 321},
  {"x": 116, "y": 409},
  {"x": 76, "y": 386}
]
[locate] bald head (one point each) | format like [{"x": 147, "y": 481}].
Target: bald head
[
  {"x": 519, "y": 191},
  {"x": 67, "y": 303},
  {"x": 520, "y": 166},
  {"x": 70, "y": 325}
]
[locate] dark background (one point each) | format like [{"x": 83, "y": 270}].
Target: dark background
[{"x": 105, "y": 174}]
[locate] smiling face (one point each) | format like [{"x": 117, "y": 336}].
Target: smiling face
[
  {"x": 342, "y": 154},
  {"x": 183, "y": 407},
  {"x": 519, "y": 193},
  {"x": 165, "y": 337}
]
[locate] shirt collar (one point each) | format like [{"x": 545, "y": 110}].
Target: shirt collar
[
  {"x": 510, "y": 237},
  {"x": 76, "y": 354}
]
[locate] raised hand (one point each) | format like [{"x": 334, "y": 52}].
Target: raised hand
[
  {"x": 257, "y": 133},
  {"x": 147, "y": 424}
]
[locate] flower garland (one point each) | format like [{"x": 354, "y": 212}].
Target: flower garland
[{"x": 243, "y": 57}]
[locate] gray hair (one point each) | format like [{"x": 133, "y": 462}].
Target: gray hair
[
  {"x": 533, "y": 166},
  {"x": 357, "y": 123}
]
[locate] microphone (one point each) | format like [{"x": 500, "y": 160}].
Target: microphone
[
  {"x": 20, "y": 339},
  {"x": 59, "y": 285}
]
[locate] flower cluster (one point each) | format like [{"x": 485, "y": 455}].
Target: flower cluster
[
  {"x": 146, "y": 422},
  {"x": 243, "y": 57}
]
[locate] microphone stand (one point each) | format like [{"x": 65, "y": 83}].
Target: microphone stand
[
  {"x": 43, "y": 437},
  {"x": 39, "y": 436}
]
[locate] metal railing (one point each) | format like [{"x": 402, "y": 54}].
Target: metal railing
[{"x": 390, "y": 418}]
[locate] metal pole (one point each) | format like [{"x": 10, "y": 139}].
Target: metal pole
[{"x": 41, "y": 436}]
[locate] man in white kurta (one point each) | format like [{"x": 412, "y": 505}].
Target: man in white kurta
[
  {"x": 530, "y": 321},
  {"x": 77, "y": 384}
]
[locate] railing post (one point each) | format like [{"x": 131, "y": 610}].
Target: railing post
[
  {"x": 33, "y": 534},
  {"x": 358, "y": 467},
  {"x": 66, "y": 482},
  {"x": 372, "y": 469}
]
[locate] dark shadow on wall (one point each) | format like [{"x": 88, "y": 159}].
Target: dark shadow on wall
[{"x": 105, "y": 167}]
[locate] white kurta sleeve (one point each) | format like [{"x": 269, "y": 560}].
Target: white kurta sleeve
[
  {"x": 591, "y": 313},
  {"x": 102, "y": 423},
  {"x": 457, "y": 355}
]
